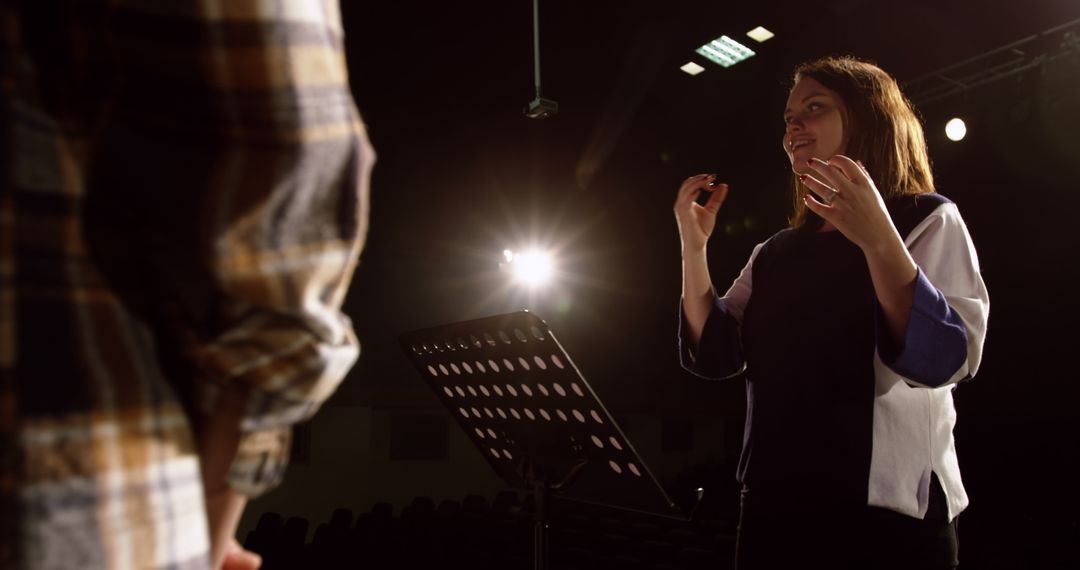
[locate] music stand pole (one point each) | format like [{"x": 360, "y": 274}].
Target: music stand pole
[{"x": 540, "y": 527}]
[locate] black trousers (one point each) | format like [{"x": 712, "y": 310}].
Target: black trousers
[{"x": 777, "y": 536}]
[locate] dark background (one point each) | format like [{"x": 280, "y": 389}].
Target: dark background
[{"x": 462, "y": 174}]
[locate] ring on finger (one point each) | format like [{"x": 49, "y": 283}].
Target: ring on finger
[{"x": 833, "y": 193}]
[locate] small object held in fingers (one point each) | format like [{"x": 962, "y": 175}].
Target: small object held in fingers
[{"x": 706, "y": 193}]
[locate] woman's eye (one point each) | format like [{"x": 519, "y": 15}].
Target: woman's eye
[{"x": 813, "y": 106}]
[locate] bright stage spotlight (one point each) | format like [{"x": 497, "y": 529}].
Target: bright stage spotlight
[
  {"x": 955, "y": 129},
  {"x": 532, "y": 268}
]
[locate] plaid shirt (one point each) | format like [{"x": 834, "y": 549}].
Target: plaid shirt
[{"x": 183, "y": 202}]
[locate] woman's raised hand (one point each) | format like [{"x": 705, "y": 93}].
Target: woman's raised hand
[
  {"x": 696, "y": 222},
  {"x": 848, "y": 199}
]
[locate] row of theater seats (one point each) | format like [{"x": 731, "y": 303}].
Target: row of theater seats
[{"x": 479, "y": 535}]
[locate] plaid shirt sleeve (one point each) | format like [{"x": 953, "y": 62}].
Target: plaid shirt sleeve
[
  {"x": 233, "y": 176},
  {"x": 183, "y": 200}
]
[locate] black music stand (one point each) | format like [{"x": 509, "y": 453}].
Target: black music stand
[{"x": 516, "y": 393}]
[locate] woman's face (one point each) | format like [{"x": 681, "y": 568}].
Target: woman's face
[{"x": 814, "y": 120}]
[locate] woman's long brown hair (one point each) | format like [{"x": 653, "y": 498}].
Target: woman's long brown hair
[{"x": 883, "y": 130}]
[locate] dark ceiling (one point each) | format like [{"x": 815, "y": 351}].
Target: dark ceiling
[{"x": 463, "y": 174}]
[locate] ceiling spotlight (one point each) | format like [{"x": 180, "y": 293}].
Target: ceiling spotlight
[
  {"x": 692, "y": 68},
  {"x": 724, "y": 51},
  {"x": 955, "y": 129},
  {"x": 760, "y": 34}
]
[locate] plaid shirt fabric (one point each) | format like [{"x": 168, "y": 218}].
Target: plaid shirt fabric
[{"x": 183, "y": 202}]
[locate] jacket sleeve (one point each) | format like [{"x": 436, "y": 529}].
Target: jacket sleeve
[
  {"x": 947, "y": 324},
  {"x": 719, "y": 351}
]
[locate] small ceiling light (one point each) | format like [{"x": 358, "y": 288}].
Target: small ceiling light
[
  {"x": 724, "y": 51},
  {"x": 692, "y": 68},
  {"x": 760, "y": 34},
  {"x": 955, "y": 129}
]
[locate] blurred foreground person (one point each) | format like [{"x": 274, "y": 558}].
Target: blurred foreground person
[{"x": 184, "y": 202}]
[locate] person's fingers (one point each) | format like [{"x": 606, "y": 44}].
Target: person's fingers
[
  {"x": 690, "y": 187},
  {"x": 852, "y": 170},
  {"x": 242, "y": 561},
  {"x": 826, "y": 212},
  {"x": 237, "y": 558},
  {"x": 694, "y": 181},
  {"x": 826, "y": 194},
  {"x": 831, "y": 175},
  {"x": 716, "y": 199},
  {"x": 864, "y": 170}
]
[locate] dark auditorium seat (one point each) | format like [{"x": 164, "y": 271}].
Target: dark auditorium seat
[
  {"x": 342, "y": 518},
  {"x": 685, "y": 538},
  {"x": 573, "y": 557},
  {"x": 699, "y": 559},
  {"x": 622, "y": 562},
  {"x": 479, "y": 535},
  {"x": 423, "y": 505},
  {"x": 382, "y": 512},
  {"x": 505, "y": 502},
  {"x": 613, "y": 544},
  {"x": 288, "y": 550},
  {"x": 448, "y": 509},
  {"x": 475, "y": 504},
  {"x": 656, "y": 551},
  {"x": 265, "y": 535},
  {"x": 640, "y": 531}
]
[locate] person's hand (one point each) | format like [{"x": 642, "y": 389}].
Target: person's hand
[
  {"x": 219, "y": 439},
  {"x": 849, "y": 200},
  {"x": 696, "y": 222},
  {"x": 237, "y": 558},
  {"x": 223, "y": 510}
]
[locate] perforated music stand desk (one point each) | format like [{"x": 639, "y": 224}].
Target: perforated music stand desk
[{"x": 517, "y": 394}]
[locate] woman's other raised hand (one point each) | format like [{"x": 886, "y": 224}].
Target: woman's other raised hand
[{"x": 696, "y": 222}]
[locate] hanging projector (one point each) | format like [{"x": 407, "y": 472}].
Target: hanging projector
[{"x": 541, "y": 108}]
